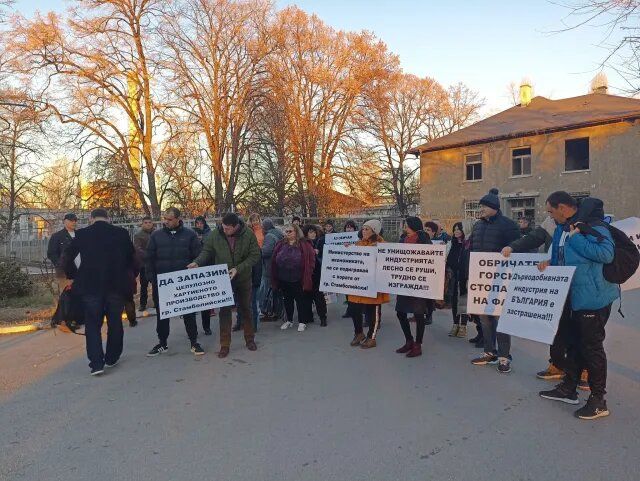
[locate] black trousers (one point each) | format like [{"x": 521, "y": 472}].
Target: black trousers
[
  {"x": 162, "y": 325},
  {"x": 206, "y": 319},
  {"x": 317, "y": 298},
  {"x": 370, "y": 312},
  {"x": 558, "y": 350},
  {"x": 144, "y": 286},
  {"x": 294, "y": 297},
  {"x": 406, "y": 327},
  {"x": 95, "y": 308},
  {"x": 585, "y": 349}
]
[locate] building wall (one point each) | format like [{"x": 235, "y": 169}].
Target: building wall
[{"x": 613, "y": 175}]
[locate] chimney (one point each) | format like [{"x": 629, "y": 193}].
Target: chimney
[
  {"x": 526, "y": 92},
  {"x": 600, "y": 84}
]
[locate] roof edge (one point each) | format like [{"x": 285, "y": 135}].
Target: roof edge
[{"x": 529, "y": 133}]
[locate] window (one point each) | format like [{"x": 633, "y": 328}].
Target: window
[
  {"x": 525, "y": 207},
  {"x": 521, "y": 162},
  {"x": 472, "y": 209},
  {"x": 473, "y": 166},
  {"x": 576, "y": 154}
]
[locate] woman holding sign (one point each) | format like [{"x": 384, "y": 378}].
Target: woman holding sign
[
  {"x": 368, "y": 307},
  {"x": 421, "y": 308},
  {"x": 292, "y": 266}
]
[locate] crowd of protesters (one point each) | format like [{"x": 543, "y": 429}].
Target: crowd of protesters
[{"x": 275, "y": 275}]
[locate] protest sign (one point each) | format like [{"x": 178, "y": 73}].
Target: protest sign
[
  {"x": 631, "y": 227},
  {"x": 349, "y": 270},
  {"x": 411, "y": 270},
  {"x": 194, "y": 290},
  {"x": 535, "y": 301},
  {"x": 341, "y": 238},
  {"x": 489, "y": 275}
]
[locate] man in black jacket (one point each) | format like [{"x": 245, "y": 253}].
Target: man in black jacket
[
  {"x": 171, "y": 249},
  {"x": 57, "y": 245},
  {"x": 492, "y": 233},
  {"x": 102, "y": 283}
]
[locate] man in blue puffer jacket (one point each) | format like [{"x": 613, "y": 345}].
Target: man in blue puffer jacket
[{"x": 590, "y": 299}]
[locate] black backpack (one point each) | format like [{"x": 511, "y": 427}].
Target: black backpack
[{"x": 626, "y": 257}]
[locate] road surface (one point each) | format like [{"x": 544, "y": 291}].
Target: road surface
[{"x": 306, "y": 406}]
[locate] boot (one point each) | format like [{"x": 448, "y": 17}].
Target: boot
[
  {"x": 416, "y": 350},
  {"x": 462, "y": 332},
  {"x": 357, "y": 339},
  {"x": 368, "y": 344},
  {"x": 454, "y": 330},
  {"x": 406, "y": 348}
]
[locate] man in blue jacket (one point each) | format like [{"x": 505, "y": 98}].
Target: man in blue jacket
[{"x": 590, "y": 299}]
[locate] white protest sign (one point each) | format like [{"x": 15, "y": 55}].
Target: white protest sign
[
  {"x": 349, "y": 270},
  {"x": 341, "y": 238},
  {"x": 411, "y": 270},
  {"x": 489, "y": 275},
  {"x": 631, "y": 227},
  {"x": 535, "y": 301},
  {"x": 194, "y": 290}
]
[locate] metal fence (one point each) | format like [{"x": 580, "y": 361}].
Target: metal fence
[{"x": 34, "y": 251}]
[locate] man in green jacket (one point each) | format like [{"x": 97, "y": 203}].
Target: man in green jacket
[{"x": 232, "y": 243}]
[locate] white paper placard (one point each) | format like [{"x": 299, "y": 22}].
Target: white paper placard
[
  {"x": 341, "y": 238},
  {"x": 349, "y": 270}
]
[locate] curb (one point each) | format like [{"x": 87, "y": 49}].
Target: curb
[{"x": 19, "y": 329}]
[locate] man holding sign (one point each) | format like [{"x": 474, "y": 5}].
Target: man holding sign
[
  {"x": 171, "y": 249},
  {"x": 591, "y": 296}
]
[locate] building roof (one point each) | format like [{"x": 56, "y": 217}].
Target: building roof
[{"x": 541, "y": 116}]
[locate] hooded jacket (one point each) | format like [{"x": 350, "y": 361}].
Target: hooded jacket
[
  {"x": 589, "y": 289},
  {"x": 246, "y": 253}
]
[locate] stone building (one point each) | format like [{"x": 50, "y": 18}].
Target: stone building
[{"x": 587, "y": 145}]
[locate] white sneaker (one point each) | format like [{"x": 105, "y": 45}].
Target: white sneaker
[
  {"x": 301, "y": 326},
  {"x": 286, "y": 325}
]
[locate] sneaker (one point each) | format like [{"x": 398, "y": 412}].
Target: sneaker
[
  {"x": 559, "y": 393},
  {"x": 594, "y": 409},
  {"x": 462, "y": 332},
  {"x": 197, "y": 349},
  {"x": 133, "y": 323},
  {"x": 301, "y": 326},
  {"x": 286, "y": 325},
  {"x": 486, "y": 358},
  {"x": 368, "y": 344},
  {"x": 454, "y": 330},
  {"x": 96, "y": 372},
  {"x": 207, "y": 332},
  {"x": 550, "y": 373},
  {"x": 583, "y": 384},
  {"x": 357, "y": 339},
  {"x": 157, "y": 349},
  {"x": 504, "y": 365},
  {"x": 113, "y": 364}
]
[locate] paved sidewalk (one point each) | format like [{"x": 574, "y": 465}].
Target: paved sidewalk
[{"x": 306, "y": 406}]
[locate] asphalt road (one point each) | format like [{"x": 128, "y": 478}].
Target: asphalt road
[{"x": 306, "y": 406}]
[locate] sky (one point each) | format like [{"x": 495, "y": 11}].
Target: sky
[{"x": 486, "y": 44}]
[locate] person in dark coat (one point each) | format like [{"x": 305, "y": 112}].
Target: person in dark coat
[
  {"x": 171, "y": 249},
  {"x": 140, "y": 242},
  {"x": 492, "y": 233},
  {"x": 458, "y": 264},
  {"x": 56, "y": 247},
  {"x": 202, "y": 230},
  {"x": 270, "y": 299},
  {"x": 420, "y": 307},
  {"x": 102, "y": 282},
  {"x": 317, "y": 298}
]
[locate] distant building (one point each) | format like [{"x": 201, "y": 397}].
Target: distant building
[{"x": 587, "y": 145}]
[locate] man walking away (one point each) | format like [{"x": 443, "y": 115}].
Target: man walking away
[
  {"x": 140, "y": 241},
  {"x": 492, "y": 233},
  {"x": 56, "y": 247},
  {"x": 102, "y": 283},
  {"x": 234, "y": 244},
  {"x": 171, "y": 249},
  {"x": 583, "y": 241}
]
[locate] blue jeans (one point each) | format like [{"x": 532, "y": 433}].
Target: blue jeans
[
  {"x": 254, "y": 309},
  {"x": 491, "y": 335},
  {"x": 95, "y": 307}
]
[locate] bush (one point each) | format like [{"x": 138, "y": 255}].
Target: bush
[{"x": 14, "y": 282}]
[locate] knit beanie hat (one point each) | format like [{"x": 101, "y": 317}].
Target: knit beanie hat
[
  {"x": 414, "y": 223},
  {"x": 374, "y": 224},
  {"x": 491, "y": 199}
]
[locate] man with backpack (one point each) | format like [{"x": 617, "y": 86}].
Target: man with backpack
[{"x": 584, "y": 241}]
